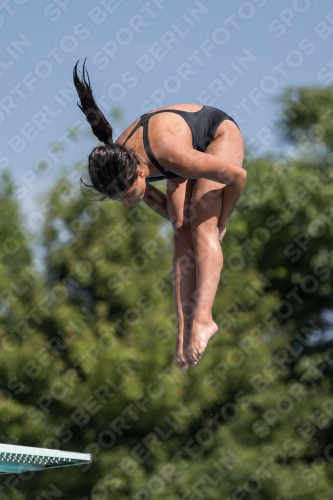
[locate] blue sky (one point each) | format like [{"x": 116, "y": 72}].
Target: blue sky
[{"x": 237, "y": 56}]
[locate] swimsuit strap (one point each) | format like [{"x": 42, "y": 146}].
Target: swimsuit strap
[
  {"x": 146, "y": 143},
  {"x": 134, "y": 130},
  {"x": 144, "y": 119}
]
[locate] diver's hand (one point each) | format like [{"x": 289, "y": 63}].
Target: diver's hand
[{"x": 222, "y": 231}]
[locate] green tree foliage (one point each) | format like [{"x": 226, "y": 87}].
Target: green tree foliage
[
  {"x": 19, "y": 282},
  {"x": 308, "y": 113},
  {"x": 95, "y": 366}
]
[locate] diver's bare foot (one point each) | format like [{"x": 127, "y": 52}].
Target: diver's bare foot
[
  {"x": 179, "y": 357},
  {"x": 199, "y": 335}
]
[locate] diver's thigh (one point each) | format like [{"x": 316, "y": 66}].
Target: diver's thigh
[{"x": 228, "y": 143}]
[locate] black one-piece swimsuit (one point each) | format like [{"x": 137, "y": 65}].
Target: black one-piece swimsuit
[{"x": 203, "y": 125}]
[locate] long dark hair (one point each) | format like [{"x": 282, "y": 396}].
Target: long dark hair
[{"x": 112, "y": 168}]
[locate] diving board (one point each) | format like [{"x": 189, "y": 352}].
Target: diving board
[{"x": 16, "y": 459}]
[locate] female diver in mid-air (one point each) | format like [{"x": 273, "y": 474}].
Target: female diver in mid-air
[{"x": 199, "y": 150}]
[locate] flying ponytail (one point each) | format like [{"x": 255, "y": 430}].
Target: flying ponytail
[
  {"x": 112, "y": 167},
  {"x": 99, "y": 124}
]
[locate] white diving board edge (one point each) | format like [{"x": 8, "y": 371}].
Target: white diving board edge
[{"x": 17, "y": 459}]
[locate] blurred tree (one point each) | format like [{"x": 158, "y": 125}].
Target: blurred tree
[
  {"x": 308, "y": 113},
  {"x": 252, "y": 420}
]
